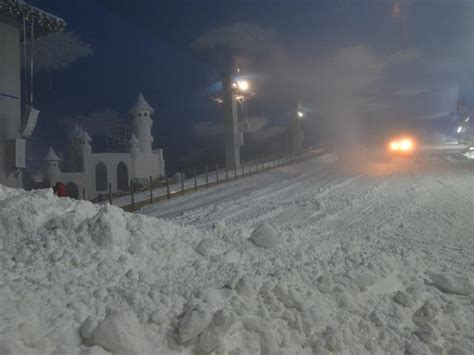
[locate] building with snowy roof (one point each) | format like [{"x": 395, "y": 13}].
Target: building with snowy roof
[
  {"x": 92, "y": 173},
  {"x": 19, "y": 22}
]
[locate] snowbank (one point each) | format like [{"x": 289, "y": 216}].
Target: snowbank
[{"x": 77, "y": 278}]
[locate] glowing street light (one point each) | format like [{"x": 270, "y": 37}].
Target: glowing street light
[
  {"x": 300, "y": 114},
  {"x": 243, "y": 85}
]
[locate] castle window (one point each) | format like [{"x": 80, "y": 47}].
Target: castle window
[
  {"x": 122, "y": 176},
  {"x": 101, "y": 177}
]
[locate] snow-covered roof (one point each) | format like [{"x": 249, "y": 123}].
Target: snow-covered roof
[
  {"x": 141, "y": 105},
  {"x": 51, "y": 156},
  {"x": 79, "y": 133},
  {"x": 133, "y": 139},
  {"x": 85, "y": 136},
  {"x": 47, "y": 22},
  {"x": 74, "y": 131}
]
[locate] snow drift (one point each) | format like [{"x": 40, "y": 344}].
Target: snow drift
[{"x": 77, "y": 278}]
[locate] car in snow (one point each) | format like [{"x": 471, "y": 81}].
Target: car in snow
[{"x": 403, "y": 146}]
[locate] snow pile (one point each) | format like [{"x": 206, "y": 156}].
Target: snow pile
[
  {"x": 77, "y": 278},
  {"x": 265, "y": 236}
]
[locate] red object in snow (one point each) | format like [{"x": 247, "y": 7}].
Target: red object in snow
[{"x": 60, "y": 189}]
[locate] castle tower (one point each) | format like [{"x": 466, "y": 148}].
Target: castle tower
[
  {"x": 142, "y": 122},
  {"x": 76, "y": 141},
  {"x": 84, "y": 141},
  {"x": 133, "y": 146},
  {"x": 52, "y": 166}
]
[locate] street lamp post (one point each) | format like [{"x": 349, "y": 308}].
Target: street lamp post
[
  {"x": 296, "y": 131},
  {"x": 231, "y": 124}
]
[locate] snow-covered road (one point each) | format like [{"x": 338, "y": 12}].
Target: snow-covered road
[{"x": 396, "y": 196}]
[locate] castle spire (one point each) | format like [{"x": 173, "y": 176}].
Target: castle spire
[
  {"x": 51, "y": 156},
  {"x": 141, "y": 105},
  {"x": 142, "y": 123}
]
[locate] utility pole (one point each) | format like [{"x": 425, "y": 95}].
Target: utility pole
[
  {"x": 231, "y": 124},
  {"x": 295, "y": 129}
]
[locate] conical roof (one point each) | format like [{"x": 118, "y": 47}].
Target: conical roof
[
  {"x": 133, "y": 139},
  {"x": 85, "y": 136},
  {"x": 79, "y": 133},
  {"x": 74, "y": 131},
  {"x": 141, "y": 105},
  {"x": 51, "y": 156}
]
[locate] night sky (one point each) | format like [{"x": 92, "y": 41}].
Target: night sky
[{"x": 397, "y": 61}]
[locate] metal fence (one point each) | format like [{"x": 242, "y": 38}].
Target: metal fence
[{"x": 157, "y": 190}]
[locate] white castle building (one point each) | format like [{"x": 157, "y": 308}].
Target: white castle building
[{"x": 93, "y": 172}]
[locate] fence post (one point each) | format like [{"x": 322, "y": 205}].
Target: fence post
[
  {"x": 132, "y": 195},
  {"x": 243, "y": 168},
  {"x": 207, "y": 177},
  {"x": 182, "y": 183},
  {"x": 195, "y": 180},
  {"x": 168, "y": 195},
  {"x": 217, "y": 173},
  {"x": 235, "y": 170},
  {"x": 110, "y": 193},
  {"x": 151, "y": 190},
  {"x": 83, "y": 193},
  {"x": 250, "y": 167},
  {"x": 226, "y": 174}
]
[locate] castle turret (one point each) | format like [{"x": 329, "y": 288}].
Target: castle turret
[
  {"x": 142, "y": 123},
  {"x": 133, "y": 146},
  {"x": 85, "y": 144},
  {"x": 52, "y": 166},
  {"x": 76, "y": 148}
]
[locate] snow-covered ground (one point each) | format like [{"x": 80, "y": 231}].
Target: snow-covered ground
[{"x": 319, "y": 257}]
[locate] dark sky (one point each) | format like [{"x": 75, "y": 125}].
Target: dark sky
[{"x": 406, "y": 60}]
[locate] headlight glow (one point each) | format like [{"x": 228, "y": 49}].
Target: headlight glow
[{"x": 406, "y": 144}]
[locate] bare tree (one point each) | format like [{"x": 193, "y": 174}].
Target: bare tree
[
  {"x": 238, "y": 36},
  {"x": 238, "y": 42},
  {"x": 57, "y": 51}
]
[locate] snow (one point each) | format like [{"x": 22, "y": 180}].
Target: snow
[
  {"x": 265, "y": 236},
  {"x": 372, "y": 257}
]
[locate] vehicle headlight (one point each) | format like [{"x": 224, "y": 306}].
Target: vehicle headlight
[{"x": 406, "y": 144}]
